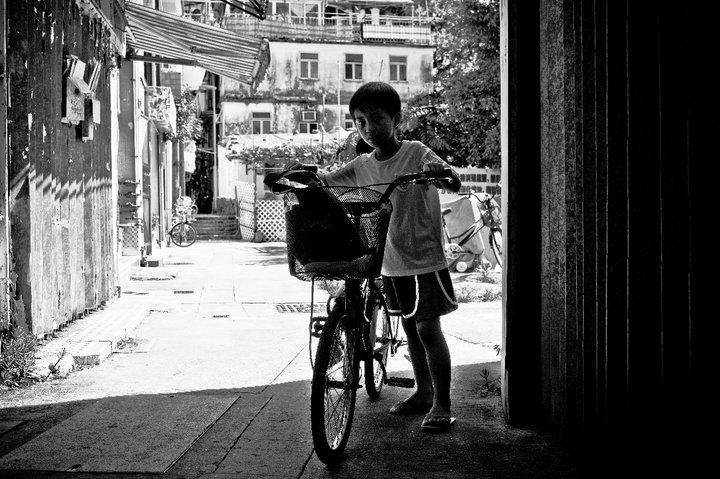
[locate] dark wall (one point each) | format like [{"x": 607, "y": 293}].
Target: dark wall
[
  {"x": 609, "y": 118},
  {"x": 60, "y": 185}
]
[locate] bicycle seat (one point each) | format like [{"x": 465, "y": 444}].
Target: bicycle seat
[{"x": 362, "y": 266}]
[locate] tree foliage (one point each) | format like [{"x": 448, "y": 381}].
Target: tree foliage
[{"x": 460, "y": 118}]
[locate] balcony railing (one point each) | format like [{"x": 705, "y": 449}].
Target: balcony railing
[{"x": 336, "y": 28}]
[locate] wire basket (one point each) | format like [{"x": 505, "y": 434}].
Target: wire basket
[{"x": 335, "y": 232}]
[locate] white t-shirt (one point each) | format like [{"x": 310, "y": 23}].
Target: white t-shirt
[{"x": 414, "y": 242}]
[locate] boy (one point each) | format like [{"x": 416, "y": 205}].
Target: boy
[{"x": 415, "y": 272}]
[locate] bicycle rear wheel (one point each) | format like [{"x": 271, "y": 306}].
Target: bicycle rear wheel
[
  {"x": 334, "y": 387},
  {"x": 183, "y": 235},
  {"x": 496, "y": 244},
  {"x": 379, "y": 341}
]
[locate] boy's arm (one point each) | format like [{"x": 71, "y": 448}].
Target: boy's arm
[{"x": 453, "y": 184}]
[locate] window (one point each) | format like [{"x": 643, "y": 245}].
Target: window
[
  {"x": 398, "y": 68},
  {"x": 353, "y": 66},
  {"x": 306, "y": 127},
  {"x": 349, "y": 121},
  {"x": 299, "y": 11},
  {"x": 308, "y": 122},
  {"x": 309, "y": 66},
  {"x": 260, "y": 122}
]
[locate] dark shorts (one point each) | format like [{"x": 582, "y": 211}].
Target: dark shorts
[{"x": 420, "y": 297}]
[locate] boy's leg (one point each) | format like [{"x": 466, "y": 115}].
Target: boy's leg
[
  {"x": 438, "y": 364},
  {"x": 423, "y": 394}
]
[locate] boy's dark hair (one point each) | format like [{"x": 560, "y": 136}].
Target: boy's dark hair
[{"x": 376, "y": 94}]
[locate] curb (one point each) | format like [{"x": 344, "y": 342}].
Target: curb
[{"x": 90, "y": 340}]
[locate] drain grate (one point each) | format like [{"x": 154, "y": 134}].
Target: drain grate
[
  {"x": 184, "y": 292},
  {"x": 299, "y": 308}
]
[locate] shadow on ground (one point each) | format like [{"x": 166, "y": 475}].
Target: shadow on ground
[{"x": 265, "y": 431}]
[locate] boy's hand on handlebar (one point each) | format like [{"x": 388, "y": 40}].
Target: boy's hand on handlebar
[{"x": 447, "y": 177}]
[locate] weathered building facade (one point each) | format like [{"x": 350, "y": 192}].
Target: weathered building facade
[
  {"x": 60, "y": 79},
  {"x": 89, "y": 120}
]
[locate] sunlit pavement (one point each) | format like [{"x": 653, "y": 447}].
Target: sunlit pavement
[{"x": 213, "y": 381}]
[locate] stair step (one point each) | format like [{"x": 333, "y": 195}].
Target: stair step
[{"x": 216, "y": 227}]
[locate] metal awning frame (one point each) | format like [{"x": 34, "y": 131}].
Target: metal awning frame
[
  {"x": 256, "y": 8},
  {"x": 177, "y": 40}
]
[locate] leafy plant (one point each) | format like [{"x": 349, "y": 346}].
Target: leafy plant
[
  {"x": 189, "y": 126},
  {"x": 470, "y": 292},
  {"x": 17, "y": 358},
  {"x": 489, "y": 386},
  {"x": 277, "y": 156}
]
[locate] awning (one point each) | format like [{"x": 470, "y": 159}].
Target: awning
[{"x": 180, "y": 41}]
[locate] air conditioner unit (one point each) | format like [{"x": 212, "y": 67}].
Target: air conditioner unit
[{"x": 309, "y": 115}]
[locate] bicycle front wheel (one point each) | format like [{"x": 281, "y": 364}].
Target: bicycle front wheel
[
  {"x": 379, "y": 342},
  {"x": 334, "y": 387},
  {"x": 496, "y": 244},
  {"x": 183, "y": 235}
]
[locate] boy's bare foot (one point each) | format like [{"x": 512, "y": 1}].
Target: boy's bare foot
[{"x": 411, "y": 405}]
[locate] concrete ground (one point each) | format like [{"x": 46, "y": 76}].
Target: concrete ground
[{"x": 201, "y": 368}]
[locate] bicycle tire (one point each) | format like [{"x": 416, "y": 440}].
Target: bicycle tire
[
  {"x": 496, "y": 244},
  {"x": 379, "y": 341},
  {"x": 334, "y": 387},
  {"x": 183, "y": 235}
]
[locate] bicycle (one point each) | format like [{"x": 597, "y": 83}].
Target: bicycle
[
  {"x": 455, "y": 245},
  {"x": 182, "y": 233},
  {"x": 358, "y": 327}
]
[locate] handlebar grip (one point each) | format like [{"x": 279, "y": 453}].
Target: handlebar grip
[
  {"x": 445, "y": 173},
  {"x": 312, "y": 168}
]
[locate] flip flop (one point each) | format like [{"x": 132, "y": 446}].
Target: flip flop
[
  {"x": 405, "y": 408},
  {"x": 437, "y": 423}
]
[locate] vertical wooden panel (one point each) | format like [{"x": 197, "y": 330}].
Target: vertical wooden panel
[
  {"x": 572, "y": 228},
  {"x": 60, "y": 170},
  {"x": 19, "y": 163},
  {"x": 5, "y": 266},
  {"x": 553, "y": 84},
  {"x": 75, "y": 171},
  {"x": 617, "y": 217},
  {"x": 587, "y": 220},
  {"x": 676, "y": 232},
  {"x": 601, "y": 173},
  {"x": 644, "y": 294}
]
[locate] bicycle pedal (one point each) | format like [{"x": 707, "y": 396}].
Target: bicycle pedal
[
  {"x": 400, "y": 382},
  {"x": 317, "y": 326}
]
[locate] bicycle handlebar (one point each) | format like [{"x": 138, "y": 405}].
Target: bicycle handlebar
[
  {"x": 308, "y": 173},
  {"x": 421, "y": 178}
]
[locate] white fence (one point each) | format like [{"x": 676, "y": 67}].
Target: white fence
[{"x": 260, "y": 220}]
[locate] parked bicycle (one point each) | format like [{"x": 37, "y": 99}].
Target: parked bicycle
[
  {"x": 182, "y": 233},
  {"x": 338, "y": 233},
  {"x": 465, "y": 247}
]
